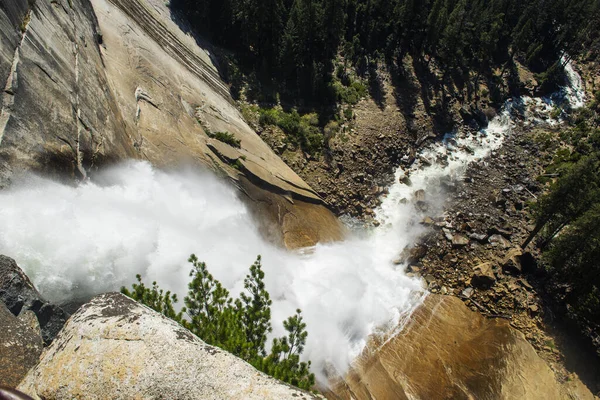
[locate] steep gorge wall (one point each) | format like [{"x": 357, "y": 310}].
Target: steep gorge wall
[
  {"x": 92, "y": 83},
  {"x": 58, "y": 113}
]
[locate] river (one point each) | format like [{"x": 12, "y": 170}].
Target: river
[{"x": 76, "y": 241}]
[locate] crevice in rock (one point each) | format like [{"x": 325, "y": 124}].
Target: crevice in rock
[
  {"x": 79, "y": 126},
  {"x": 45, "y": 71},
  {"x": 8, "y": 95},
  {"x": 141, "y": 95}
]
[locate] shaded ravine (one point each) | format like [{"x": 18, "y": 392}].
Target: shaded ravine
[{"x": 77, "y": 241}]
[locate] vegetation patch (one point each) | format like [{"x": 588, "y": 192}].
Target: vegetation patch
[
  {"x": 25, "y": 22},
  {"x": 239, "y": 326},
  {"x": 567, "y": 219},
  {"x": 350, "y": 94},
  {"x": 303, "y": 131},
  {"x": 225, "y": 137}
]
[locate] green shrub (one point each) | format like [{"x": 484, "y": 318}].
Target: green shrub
[
  {"x": 348, "y": 114},
  {"x": 303, "y": 131},
  {"x": 268, "y": 117},
  {"x": 225, "y": 137},
  {"x": 249, "y": 112},
  {"x": 155, "y": 298},
  {"x": 237, "y": 164},
  {"x": 556, "y": 113},
  {"x": 290, "y": 123},
  {"x": 360, "y": 89},
  {"x": 25, "y": 22},
  {"x": 350, "y": 94},
  {"x": 239, "y": 326}
]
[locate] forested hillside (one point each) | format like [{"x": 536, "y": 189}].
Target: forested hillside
[
  {"x": 568, "y": 217},
  {"x": 288, "y": 45}
]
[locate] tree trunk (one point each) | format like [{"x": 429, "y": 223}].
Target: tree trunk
[{"x": 533, "y": 234}]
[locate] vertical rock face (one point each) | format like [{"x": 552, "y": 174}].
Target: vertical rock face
[
  {"x": 58, "y": 114},
  {"x": 449, "y": 352},
  {"x": 20, "y": 296},
  {"x": 115, "y": 348},
  {"x": 87, "y": 83}
]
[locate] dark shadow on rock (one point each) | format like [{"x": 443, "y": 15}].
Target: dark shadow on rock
[
  {"x": 407, "y": 102},
  {"x": 579, "y": 353},
  {"x": 19, "y": 295},
  {"x": 376, "y": 89}
]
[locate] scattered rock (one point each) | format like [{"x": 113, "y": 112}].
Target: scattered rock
[
  {"x": 428, "y": 221},
  {"x": 422, "y": 206},
  {"x": 413, "y": 269},
  {"x": 499, "y": 231},
  {"x": 533, "y": 309},
  {"x": 511, "y": 262},
  {"x": 468, "y": 292},
  {"x": 411, "y": 255},
  {"x": 484, "y": 277},
  {"x": 459, "y": 240},
  {"x": 405, "y": 180},
  {"x": 525, "y": 284},
  {"x": 498, "y": 240},
  {"x": 419, "y": 195},
  {"x": 480, "y": 237},
  {"x": 448, "y": 234}
]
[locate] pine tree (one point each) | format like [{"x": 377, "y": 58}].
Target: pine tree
[
  {"x": 239, "y": 327},
  {"x": 254, "y": 308},
  {"x": 283, "y": 361},
  {"x": 155, "y": 298}
]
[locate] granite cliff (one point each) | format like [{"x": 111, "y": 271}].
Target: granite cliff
[{"x": 92, "y": 83}]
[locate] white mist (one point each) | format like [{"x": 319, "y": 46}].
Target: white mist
[{"x": 76, "y": 241}]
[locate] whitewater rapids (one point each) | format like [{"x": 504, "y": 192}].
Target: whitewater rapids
[{"x": 95, "y": 237}]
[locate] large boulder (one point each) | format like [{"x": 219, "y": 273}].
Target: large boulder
[
  {"x": 511, "y": 262},
  {"x": 19, "y": 295},
  {"x": 483, "y": 275},
  {"x": 446, "y": 351},
  {"x": 20, "y": 346},
  {"x": 115, "y": 348}
]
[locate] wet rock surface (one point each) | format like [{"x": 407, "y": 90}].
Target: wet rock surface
[
  {"x": 447, "y": 351},
  {"x": 91, "y": 83}
]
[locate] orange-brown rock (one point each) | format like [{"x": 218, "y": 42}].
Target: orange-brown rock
[{"x": 447, "y": 351}]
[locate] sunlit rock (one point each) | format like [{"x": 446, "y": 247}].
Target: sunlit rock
[
  {"x": 115, "y": 348},
  {"x": 447, "y": 351}
]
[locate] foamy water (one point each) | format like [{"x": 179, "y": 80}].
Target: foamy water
[
  {"x": 75, "y": 241},
  {"x": 80, "y": 240}
]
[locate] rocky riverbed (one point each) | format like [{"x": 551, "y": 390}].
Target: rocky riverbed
[{"x": 472, "y": 251}]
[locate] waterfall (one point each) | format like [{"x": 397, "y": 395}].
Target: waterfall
[{"x": 81, "y": 240}]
